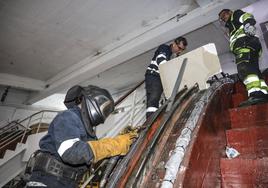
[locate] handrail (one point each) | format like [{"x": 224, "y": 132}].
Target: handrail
[
  {"x": 42, "y": 111},
  {"x": 7, "y": 124},
  {"x": 12, "y": 125},
  {"x": 128, "y": 93},
  {"x": 30, "y": 117},
  {"x": 26, "y": 128}
]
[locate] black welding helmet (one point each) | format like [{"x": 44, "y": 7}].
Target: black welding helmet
[{"x": 96, "y": 104}]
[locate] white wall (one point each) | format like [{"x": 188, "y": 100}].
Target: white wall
[
  {"x": 14, "y": 96},
  {"x": 9, "y": 108},
  {"x": 11, "y": 113},
  {"x": 13, "y": 108},
  {"x": 54, "y": 101}
]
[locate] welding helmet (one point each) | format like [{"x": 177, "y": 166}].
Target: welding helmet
[{"x": 96, "y": 104}]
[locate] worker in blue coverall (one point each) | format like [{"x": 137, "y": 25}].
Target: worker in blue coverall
[
  {"x": 71, "y": 145},
  {"x": 246, "y": 46},
  {"x": 153, "y": 83}
]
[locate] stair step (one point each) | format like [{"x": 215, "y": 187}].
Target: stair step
[
  {"x": 9, "y": 154},
  {"x": 256, "y": 115},
  {"x": 249, "y": 142},
  {"x": 244, "y": 172},
  {"x": 237, "y": 99}
]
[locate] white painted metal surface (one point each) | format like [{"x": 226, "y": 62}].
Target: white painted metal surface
[{"x": 202, "y": 63}]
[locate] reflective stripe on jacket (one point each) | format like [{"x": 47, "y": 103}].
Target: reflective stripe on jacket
[
  {"x": 161, "y": 55},
  {"x": 236, "y": 25}
]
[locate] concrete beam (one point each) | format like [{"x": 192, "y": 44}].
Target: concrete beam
[
  {"x": 135, "y": 44},
  {"x": 21, "y": 82}
]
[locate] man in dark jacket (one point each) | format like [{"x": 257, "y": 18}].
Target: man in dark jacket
[
  {"x": 70, "y": 145},
  {"x": 153, "y": 83},
  {"x": 246, "y": 47}
]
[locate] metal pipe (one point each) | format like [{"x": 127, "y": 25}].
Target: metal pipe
[
  {"x": 4, "y": 95},
  {"x": 133, "y": 108},
  {"x": 26, "y": 129},
  {"x": 40, "y": 122},
  {"x": 93, "y": 174},
  {"x": 128, "y": 93},
  {"x": 110, "y": 166}
]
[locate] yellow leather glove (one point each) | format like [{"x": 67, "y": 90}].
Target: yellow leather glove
[{"x": 108, "y": 147}]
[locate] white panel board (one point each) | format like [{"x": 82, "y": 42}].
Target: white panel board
[{"x": 202, "y": 63}]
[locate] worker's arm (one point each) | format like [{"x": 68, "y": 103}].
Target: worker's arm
[
  {"x": 73, "y": 150},
  {"x": 68, "y": 139},
  {"x": 244, "y": 17},
  {"x": 247, "y": 20}
]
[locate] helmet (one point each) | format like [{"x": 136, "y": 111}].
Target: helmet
[
  {"x": 96, "y": 104},
  {"x": 73, "y": 96}
]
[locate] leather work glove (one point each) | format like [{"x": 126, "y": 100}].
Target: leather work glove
[
  {"x": 109, "y": 147},
  {"x": 250, "y": 30}
]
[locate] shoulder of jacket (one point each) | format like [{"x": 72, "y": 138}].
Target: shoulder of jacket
[
  {"x": 164, "y": 48},
  {"x": 66, "y": 114},
  {"x": 238, "y": 12}
]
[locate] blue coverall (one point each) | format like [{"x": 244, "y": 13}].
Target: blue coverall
[
  {"x": 153, "y": 83},
  {"x": 66, "y": 140}
]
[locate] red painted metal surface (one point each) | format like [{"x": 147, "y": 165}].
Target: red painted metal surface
[
  {"x": 237, "y": 99},
  {"x": 244, "y": 173},
  {"x": 203, "y": 157},
  {"x": 240, "y": 88},
  {"x": 248, "y": 135},
  {"x": 205, "y": 164},
  {"x": 256, "y": 115},
  {"x": 245, "y": 129},
  {"x": 249, "y": 142}
]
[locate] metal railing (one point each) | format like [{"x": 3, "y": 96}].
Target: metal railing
[
  {"x": 129, "y": 111},
  {"x": 16, "y": 130}
]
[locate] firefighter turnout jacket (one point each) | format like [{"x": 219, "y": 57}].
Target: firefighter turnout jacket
[
  {"x": 247, "y": 50},
  {"x": 236, "y": 25}
]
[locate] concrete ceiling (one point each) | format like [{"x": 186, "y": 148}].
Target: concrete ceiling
[
  {"x": 47, "y": 46},
  {"x": 128, "y": 74}
]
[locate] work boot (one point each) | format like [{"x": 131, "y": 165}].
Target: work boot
[{"x": 255, "y": 98}]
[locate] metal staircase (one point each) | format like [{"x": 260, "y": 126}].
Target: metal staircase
[{"x": 18, "y": 140}]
